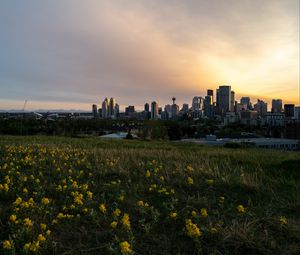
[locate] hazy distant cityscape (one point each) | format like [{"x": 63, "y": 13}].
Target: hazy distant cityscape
[{"x": 223, "y": 107}]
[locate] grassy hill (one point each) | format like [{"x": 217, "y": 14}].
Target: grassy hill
[{"x": 91, "y": 196}]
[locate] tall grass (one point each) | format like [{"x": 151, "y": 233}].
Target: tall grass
[{"x": 265, "y": 182}]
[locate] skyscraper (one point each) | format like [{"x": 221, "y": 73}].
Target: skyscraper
[
  {"x": 276, "y": 106},
  {"x": 146, "y": 108},
  {"x": 210, "y": 92},
  {"x": 105, "y": 108},
  {"x": 289, "y": 110},
  {"x": 246, "y": 101},
  {"x": 232, "y": 101},
  {"x": 185, "y": 108},
  {"x": 168, "y": 110},
  {"x": 174, "y": 108},
  {"x": 197, "y": 107},
  {"x": 208, "y": 106},
  {"x": 111, "y": 107},
  {"x": 197, "y": 103},
  {"x": 224, "y": 99},
  {"x": 95, "y": 111},
  {"x": 117, "y": 110},
  {"x": 154, "y": 110},
  {"x": 261, "y": 107},
  {"x": 129, "y": 109}
]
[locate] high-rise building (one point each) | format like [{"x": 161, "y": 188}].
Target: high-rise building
[
  {"x": 232, "y": 101},
  {"x": 111, "y": 108},
  {"x": 276, "y": 106},
  {"x": 95, "y": 111},
  {"x": 168, "y": 111},
  {"x": 185, "y": 108},
  {"x": 224, "y": 99},
  {"x": 154, "y": 110},
  {"x": 297, "y": 113},
  {"x": 210, "y": 92},
  {"x": 100, "y": 112},
  {"x": 105, "y": 108},
  {"x": 246, "y": 101},
  {"x": 174, "y": 108},
  {"x": 208, "y": 106},
  {"x": 289, "y": 110},
  {"x": 197, "y": 107},
  {"x": 117, "y": 110},
  {"x": 197, "y": 104},
  {"x": 261, "y": 107},
  {"x": 146, "y": 107},
  {"x": 130, "y": 109},
  {"x": 159, "y": 111}
]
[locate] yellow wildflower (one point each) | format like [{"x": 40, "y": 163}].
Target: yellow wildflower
[
  {"x": 241, "y": 208},
  {"x": 173, "y": 215},
  {"x": 7, "y": 245},
  {"x": 117, "y": 212},
  {"x": 121, "y": 197},
  {"x": 283, "y": 220},
  {"x": 204, "y": 213},
  {"x": 85, "y": 186},
  {"x": 190, "y": 181},
  {"x": 43, "y": 226},
  {"x": 189, "y": 168},
  {"x": 34, "y": 246},
  {"x": 114, "y": 224},
  {"x": 140, "y": 203},
  {"x": 194, "y": 213},
  {"x": 192, "y": 229},
  {"x": 6, "y": 187},
  {"x": 27, "y": 246},
  {"x": 31, "y": 202},
  {"x": 125, "y": 247},
  {"x": 89, "y": 194},
  {"x": 41, "y": 238},
  {"x": 102, "y": 208},
  {"x": 148, "y": 174},
  {"x": 13, "y": 218},
  {"x": 18, "y": 201},
  {"x": 75, "y": 185},
  {"x": 126, "y": 221},
  {"x": 27, "y": 222},
  {"x": 48, "y": 232},
  {"x": 45, "y": 201},
  {"x": 60, "y": 216}
]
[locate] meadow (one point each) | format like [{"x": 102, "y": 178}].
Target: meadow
[{"x": 63, "y": 195}]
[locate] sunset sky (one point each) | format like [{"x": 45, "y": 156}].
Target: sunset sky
[{"x": 69, "y": 54}]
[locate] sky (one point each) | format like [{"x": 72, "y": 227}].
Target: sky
[{"x": 69, "y": 54}]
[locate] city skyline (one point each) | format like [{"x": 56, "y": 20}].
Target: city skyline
[{"x": 70, "y": 54}]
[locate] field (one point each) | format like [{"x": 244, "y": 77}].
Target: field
[{"x": 91, "y": 196}]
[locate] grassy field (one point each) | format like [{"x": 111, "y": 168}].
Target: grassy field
[{"x": 91, "y": 196}]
